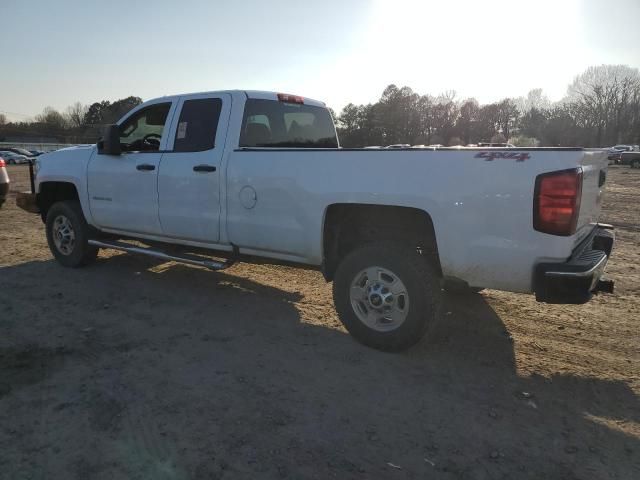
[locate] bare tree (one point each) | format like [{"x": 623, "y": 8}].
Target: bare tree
[
  {"x": 52, "y": 118},
  {"x": 76, "y": 115},
  {"x": 508, "y": 115},
  {"x": 466, "y": 124},
  {"x": 534, "y": 99},
  {"x": 445, "y": 113},
  {"x": 605, "y": 97}
]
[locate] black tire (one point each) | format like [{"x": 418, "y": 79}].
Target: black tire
[
  {"x": 79, "y": 253},
  {"x": 420, "y": 279},
  {"x": 635, "y": 164}
]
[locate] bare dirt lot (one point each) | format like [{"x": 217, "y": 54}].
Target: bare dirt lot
[{"x": 137, "y": 369}]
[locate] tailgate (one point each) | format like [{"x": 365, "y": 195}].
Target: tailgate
[{"x": 594, "y": 165}]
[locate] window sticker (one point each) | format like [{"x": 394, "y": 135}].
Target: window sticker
[{"x": 182, "y": 130}]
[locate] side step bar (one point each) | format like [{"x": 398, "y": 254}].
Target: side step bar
[{"x": 191, "y": 260}]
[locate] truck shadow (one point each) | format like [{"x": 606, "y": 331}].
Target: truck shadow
[{"x": 177, "y": 372}]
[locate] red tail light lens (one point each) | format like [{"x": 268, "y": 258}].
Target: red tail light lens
[
  {"x": 285, "y": 97},
  {"x": 2, "y": 164},
  {"x": 556, "y": 202}
]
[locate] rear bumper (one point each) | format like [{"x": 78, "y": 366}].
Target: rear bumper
[
  {"x": 28, "y": 202},
  {"x": 577, "y": 279}
]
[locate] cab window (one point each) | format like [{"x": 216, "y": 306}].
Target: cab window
[
  {"x": 197, "y": 125},
  {"x": 269, "y": 123},
  {"x": 142, "y": 131}
]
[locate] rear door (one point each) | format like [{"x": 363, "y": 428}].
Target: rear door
[
  {"x": 189, "y": 174},
  {"x": 123, "y": 189}
]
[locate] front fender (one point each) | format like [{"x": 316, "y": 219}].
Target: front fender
[{"x": 68, "y": 165}]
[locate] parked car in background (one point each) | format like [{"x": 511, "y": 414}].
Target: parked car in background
[
  {"x": 623, "y": 148},
  {"x": 615, "y": 152},
  {"x": 631, "y": 158},
  {"x": 36, "y": 153},
  {"x": 496, "y": 145},
  {"x": 4, "y": 182},
  {"x": 399, "y": 145},
  {"x": 17, "y": 150},
  {"x": 12, "y": 158}
]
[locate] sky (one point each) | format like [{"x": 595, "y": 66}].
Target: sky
[{"x": 55, "y": 53}]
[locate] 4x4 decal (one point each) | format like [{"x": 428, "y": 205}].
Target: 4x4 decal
[{"x": 517, "y": 156}]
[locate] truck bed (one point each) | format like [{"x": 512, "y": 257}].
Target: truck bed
[{"x": 480, "y": 202}]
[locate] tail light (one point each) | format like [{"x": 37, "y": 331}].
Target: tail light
[
  {"x": 556, "y": 202},
  {"x": 285, "y": 97},
  {"x": 2, "y": 164}
]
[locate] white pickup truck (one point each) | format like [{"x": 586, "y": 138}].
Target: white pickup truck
[{"x": 246, "y": 174}]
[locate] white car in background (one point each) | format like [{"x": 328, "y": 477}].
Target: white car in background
[
  {"x": 11, "y": 158},
  {"x": 399, "y": 145},
  {"x": 495, "y": 145}
]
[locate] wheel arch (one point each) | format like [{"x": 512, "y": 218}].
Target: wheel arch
[
  {"x": 348, "y": 225},
  {"x": 52, "y": 191}
]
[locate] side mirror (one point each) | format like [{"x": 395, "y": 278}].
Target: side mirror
[{"x": 109, "y": 144}]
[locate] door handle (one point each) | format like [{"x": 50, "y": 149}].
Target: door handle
[
  {"x": 145, "y": 167},
  {"x": 204, "y": 168}
]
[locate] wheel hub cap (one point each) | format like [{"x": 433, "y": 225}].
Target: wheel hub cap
[
  {"x": 379, "y": 298},
  {"x": 64, "y": 236}
]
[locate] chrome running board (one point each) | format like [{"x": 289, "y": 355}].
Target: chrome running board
[{"x": 191, "y": 260}]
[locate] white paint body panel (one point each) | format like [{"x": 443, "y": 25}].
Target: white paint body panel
[
  {"x": 482, "y": 210},
  {"x": 189, "y": 202},
  {"x": 68, "y": 165},
  {"x": 121, "y": 196}
]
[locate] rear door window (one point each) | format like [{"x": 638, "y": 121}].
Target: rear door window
[
  {"x": 270, "y": 123},
  {"x": 197, "y": 126}
]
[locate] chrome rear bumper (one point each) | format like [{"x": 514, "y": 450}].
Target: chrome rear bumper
[{"x": 577, "y": 279}]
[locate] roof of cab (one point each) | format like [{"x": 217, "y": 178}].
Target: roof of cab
[{"x": 259, "y": 94}]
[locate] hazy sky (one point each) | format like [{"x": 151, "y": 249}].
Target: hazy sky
[{"x": 58, "y": 52}]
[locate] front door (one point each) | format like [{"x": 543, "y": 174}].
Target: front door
[
  {"x": 123, "y": 189},
  {"x": 189, "y": 176}
]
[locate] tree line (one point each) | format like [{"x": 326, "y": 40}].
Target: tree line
[
  {"x": 77, "y": 124},
  {"x": 601, "y": 108}
]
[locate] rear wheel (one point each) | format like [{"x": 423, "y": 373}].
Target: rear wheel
[
  {"x": 635, "y": 164},
  {"x": 386, "y": 295},
  {"x": 67, "y": 235}
]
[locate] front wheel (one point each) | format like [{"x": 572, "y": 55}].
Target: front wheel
[
  {"x": 386, "y": 295},
  {"x": 68, "y": 235}
]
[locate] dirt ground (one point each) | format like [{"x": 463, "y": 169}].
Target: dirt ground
[{"x": 136, "y": 369}]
